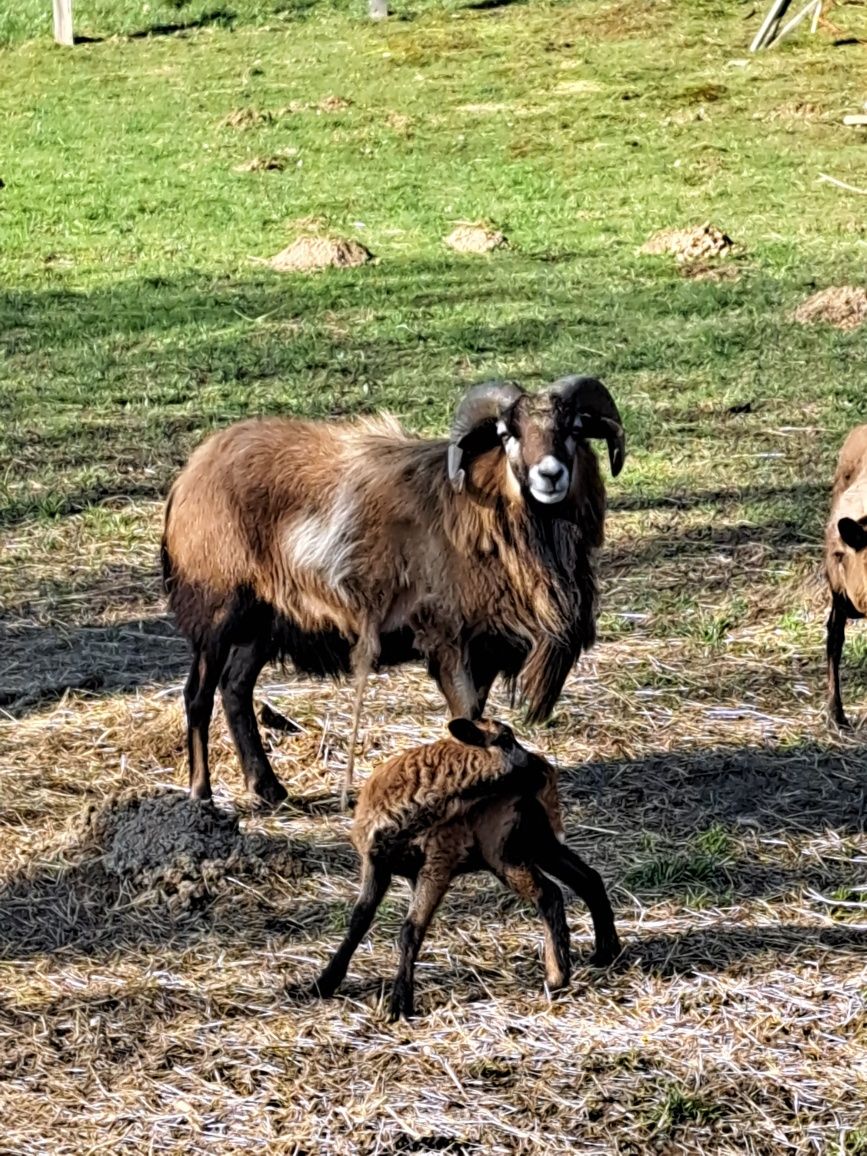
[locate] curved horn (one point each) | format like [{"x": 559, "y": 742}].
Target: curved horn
[
  {"x": 591, "y": 401},
  {"x": 481, "y": 403}
]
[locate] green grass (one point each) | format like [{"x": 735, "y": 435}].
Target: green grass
[
  {"x": 133, "y": 317},
  {"x": 698, "y": 871}
]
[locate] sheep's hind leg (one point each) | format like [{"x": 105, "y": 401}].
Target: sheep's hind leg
[
  {"x": 375, "y": 881},
  {"x": 556, "y": 859},
  {"x": 531, "y": 884},
  {"x": 237, "y": 684},
  {"x": 208, "y": 662},
  {"x": 834, "y": 650}
]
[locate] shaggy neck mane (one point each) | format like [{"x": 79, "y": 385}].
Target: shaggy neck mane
[{"x": 547, "y": 565}]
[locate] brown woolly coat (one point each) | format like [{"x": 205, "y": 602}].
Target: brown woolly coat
[
  {"x": 846, "y": 570},
  {"x": 354, "y": 527},
  {"x": 434, "y": 784}
]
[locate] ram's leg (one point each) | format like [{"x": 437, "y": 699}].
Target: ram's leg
[
  {"x": 430, "y": 886},
  {"x": 239, "y": 679},
  {"x": 452, "y": 675},
  {"x": 375, "y": 880},
  {"x": 207, "y": 666},
  {"x": 528, "y": 882},
  {"x": 364, "y": 655},
  {"x": 834, "y": 651}
]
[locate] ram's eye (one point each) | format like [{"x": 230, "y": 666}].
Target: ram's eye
[{"x": 839, "y": 555}]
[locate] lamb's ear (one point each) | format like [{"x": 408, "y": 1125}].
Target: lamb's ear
[
  {"x": 467, "y": 732},
  {"x": 853, "y": 533}
]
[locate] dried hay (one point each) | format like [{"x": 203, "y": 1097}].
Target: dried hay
[
  {"x": 310, "y": 254},
  {"x": 689, "y": 246},
  {"x": 474, "y": 238},
  {"x": 843, "y": 306},
  {"x": 137, "y": 1014}
]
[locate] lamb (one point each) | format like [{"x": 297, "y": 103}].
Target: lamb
[
  {"x": 846, "y": 557},
  {"x": 478, "y": 801},
  {"x": 349, "y": 545}
]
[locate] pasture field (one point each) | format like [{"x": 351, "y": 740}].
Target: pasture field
[{"x": 700, "y": 778}]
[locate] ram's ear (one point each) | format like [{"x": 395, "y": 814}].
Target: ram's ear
[
  {"x": 474, "y": 425},
  {"x": 854, "y": 534},
  {"x": 468, "y": 733}
]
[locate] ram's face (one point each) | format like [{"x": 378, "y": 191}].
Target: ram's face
[{"x": 539, "y": 436}]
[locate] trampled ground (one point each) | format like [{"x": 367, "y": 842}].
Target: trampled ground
[{"x": 136, "y": 313}]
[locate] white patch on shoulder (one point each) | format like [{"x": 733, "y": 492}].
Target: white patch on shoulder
[{"x": 323, "y": 543}]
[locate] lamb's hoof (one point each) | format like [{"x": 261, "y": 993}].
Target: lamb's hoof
[
  {"x": 201, "y": 794},
  {"x": 839, "y": 722}
]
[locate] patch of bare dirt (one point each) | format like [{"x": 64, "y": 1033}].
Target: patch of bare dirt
[
  {"x": 331, "y": 103},
  {"x": 243, "y": 118},
  {"x": 272, "y": 163},
  {"x": 843, "y": 306},
  {"x": 309, "y": 254},
  {"x": 399, "y": 123},
  {"x": 703, "y": 271},
  {"x": 803, "y": 110},
  {"x": 475, "y": 238},
  {"x": 689, "y": 246}
]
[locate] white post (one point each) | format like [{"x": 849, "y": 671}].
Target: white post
[
  {"x": 770, "y": 21},
  {"x": 63, "y": 22}
]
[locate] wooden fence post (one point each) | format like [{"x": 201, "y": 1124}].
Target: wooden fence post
[{"x": 63, "y": 22}]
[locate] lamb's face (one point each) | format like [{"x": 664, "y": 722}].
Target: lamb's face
[{"x": 539, "y": 436}]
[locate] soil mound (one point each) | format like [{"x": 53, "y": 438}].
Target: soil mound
[
  {"x": 843, "y": 306},
  {"x": 310, "y": 254},
  {"x": 689, "y": 246},
  {"x": 474, "y": 239}
]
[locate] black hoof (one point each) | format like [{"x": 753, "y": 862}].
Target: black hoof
[
  {"x": 276, "y": 721},
  {"x": 269, "y": 793},
  {"x": 400, "y": 1006},
  {"x": 322, "y": 988},
  {"x": 605, "y": 954}
]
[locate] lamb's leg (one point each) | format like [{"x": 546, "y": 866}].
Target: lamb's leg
[
  {"x": 208, "y": 663},
  {"x": 834, "y": 650},
  {"x": 430, "y": 886},
  {"x": 556, "y": 859},
  {"x": 239, "y": 679},
  {"x": 528, "y": 882},
  {"x": 375, "y": 880},
  {"x": 364, "y": 655}
]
